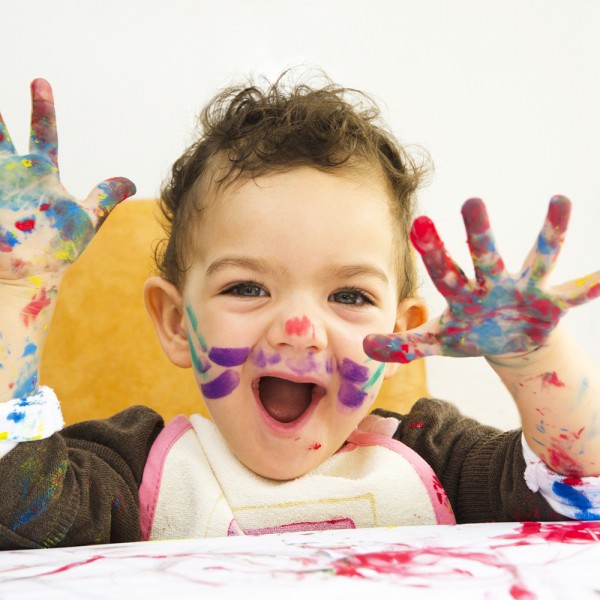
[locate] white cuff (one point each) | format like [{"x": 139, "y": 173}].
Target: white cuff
[
  {"x": 573, "y": 497},
  {"x": 31, "y": 418}
]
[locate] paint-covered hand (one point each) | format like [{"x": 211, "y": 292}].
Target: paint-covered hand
[
  {"x": 497, "y": 313},
  {"x": 42, "y": 227}
]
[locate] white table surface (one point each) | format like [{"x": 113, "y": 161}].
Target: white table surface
[{"x": 501, "y": 560}]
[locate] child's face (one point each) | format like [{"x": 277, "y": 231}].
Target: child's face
[{"x": 291, "y": 272}]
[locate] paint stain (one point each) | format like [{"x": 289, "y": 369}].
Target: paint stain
[
  {"x": 35, "y": 306},
  {"x": 221, "y": 386},
  {"x": 351, "y": 371},
  {"x": 229, "y": 357},
  {"x": 25, "y": 225},
  {"x": 353, "y": 377},
  {"x": 29, "y": 350},
  {"x": 551, "y": 379},
  {"x": 416, "y": 425},
  {"x": 351, "y": 396},
  {"x": 315, "y": 446},
  {"x": 7, "y": 241},
  {"x": 298, "y": 326}
]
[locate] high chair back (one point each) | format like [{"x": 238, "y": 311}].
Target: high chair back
[{"x": 102, "y": 353}]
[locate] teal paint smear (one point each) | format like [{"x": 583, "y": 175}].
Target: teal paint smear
[
  {"x": 194, "y": 324},
  {"x": 374, "y": 377}
]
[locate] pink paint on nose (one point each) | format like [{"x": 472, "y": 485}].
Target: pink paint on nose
[{"x": 298, "y": 326}]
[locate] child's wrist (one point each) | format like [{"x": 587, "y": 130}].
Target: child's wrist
[
  {"x": 24, "y": 323},
  {"x": 30, "y": 418},
  {"x": 529, "y": 361}
]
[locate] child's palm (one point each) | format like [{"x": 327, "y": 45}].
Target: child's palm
[
  {"x": 497, "y": 313},
  {"x": 42, "y": 227}
]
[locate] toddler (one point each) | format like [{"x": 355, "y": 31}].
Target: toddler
[{"x": 287, "y": 284}]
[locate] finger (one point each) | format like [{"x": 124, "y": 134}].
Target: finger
[
  {"x": 105, "y": 196},
  {"x": 579, "y": 291},
  {"x": 6, "y": 145},
  {"x": 446, "y": 275},
  {"x": 486, "y": 260},
  {"x": 542, "y": 257},
  {"x": 402, "y": 347},
  {"x": 44, "y": 138}
]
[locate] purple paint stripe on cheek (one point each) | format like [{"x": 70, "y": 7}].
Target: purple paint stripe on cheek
[
  {"x": 352, "y": 371},
  {"x": 221, "y": 386},
  {"x": 229, "y": 357},
  {"x": 350, "y": 396}
]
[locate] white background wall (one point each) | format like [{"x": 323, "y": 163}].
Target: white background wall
[{"x": 504, "y": 95}]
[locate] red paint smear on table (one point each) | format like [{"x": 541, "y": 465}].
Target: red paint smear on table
[
  {"x": 298, "y": 326},
  {"x": 551, "y": 379},
  {"x": 74, "y": 565},
  {"x": 33, "y": 309},
  {"x": 416, "y": 562},
  {"x": 577, "y": 532},
  {"x": 25, "y": 224}
]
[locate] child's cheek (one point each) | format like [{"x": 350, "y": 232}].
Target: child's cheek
[
  {"x": 208, "y": 363},
  {"x": 355, "y": 382}
]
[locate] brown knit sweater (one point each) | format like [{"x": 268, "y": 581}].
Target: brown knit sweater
[{"x": 80, "y": 486}]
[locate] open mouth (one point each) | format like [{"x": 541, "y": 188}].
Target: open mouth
[{"x": 284, "y": 400}]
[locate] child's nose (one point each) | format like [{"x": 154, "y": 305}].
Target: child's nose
[{"x": 299, "y": 332}]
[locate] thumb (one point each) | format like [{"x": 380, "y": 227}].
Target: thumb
[{"x": 105, "y": 196}]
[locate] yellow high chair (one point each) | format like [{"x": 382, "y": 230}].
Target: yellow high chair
[{"x": 102, "y": 353}]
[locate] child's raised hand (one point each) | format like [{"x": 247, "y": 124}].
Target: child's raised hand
[
  {"x": 42, "y": 227},
  {"x": 497, "y": 312}
]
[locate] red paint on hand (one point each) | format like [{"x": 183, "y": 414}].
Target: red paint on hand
[
  {"x": 25, "y": 224},
  {"x": 423, "y": 235},
  {"x": 33, "y": 309},
  {"x": 475, "y": 216}
]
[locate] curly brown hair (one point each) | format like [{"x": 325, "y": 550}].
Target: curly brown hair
[{"x": 248, "y": 131}]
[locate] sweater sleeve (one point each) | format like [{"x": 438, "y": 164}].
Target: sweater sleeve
[
  {"x": 481, "y": 468},
  {"x": 79, "y": 486}
]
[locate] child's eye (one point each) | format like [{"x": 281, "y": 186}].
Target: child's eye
[
  {"x": 351, "y": 297},
  {"x": 246, "y": 289}
]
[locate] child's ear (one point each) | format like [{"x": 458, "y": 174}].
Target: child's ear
[
  {"x": 411, "y": 313},
  {"x": 165, "y": 306}
]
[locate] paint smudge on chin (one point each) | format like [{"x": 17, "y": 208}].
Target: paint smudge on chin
[
  {"x": 221, "y": 386},
  {"x": 229, "y": 357},
  {"x": 315, "y": 446}
]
